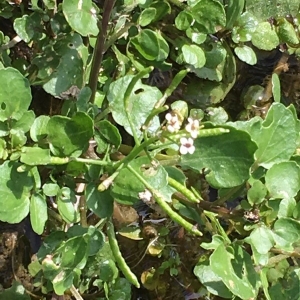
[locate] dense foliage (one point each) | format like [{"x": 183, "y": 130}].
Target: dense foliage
[{"x": 151, "y": 146}]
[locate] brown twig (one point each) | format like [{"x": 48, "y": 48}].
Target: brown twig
[{"x": 99, "y": 49}]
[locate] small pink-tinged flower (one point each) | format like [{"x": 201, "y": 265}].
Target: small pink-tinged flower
[
  {"x": 173, "y": 123},
  {"x": 193, "y": 127},
  {"x": 187, "y": 146}
]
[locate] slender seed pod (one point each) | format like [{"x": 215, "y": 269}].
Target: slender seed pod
[{"x": 118, "y": 255}]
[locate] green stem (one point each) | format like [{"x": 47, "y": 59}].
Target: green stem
[
  {"x": 183, "y": 190},
  {"x": 159, "y": 198},
  {"x": 90, "y": 161},
  {"x": 174, "y": 84},
  {"x": 105, "y": 184},
  {"x": 75, "y": 293},
  {"x": 135, "y": 152},
  {"x": 154, "y": 112},
  {"x": 117, "y": 35}
]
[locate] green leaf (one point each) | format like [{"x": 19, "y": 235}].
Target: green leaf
[
  {"x": 25, "y": 123},
  {"x": 140, "y": 95},
  {"x": 70, "y": 136},
  {"x": 63, "y": 281},
  {"x": 38, "y": 213},
  {"x": 68, "y": 74},
  {"x": 108, "y": 270},
  {"x": 29, "y": 27},
  {"x": 257, "y": 193},
  {"x": 265, "y": 37},
  {"x": 82, "y": 16},
  {"x": 210, "y": 14},
  {"x": 193, "y": 55},
  {"x": 147, "y": 16},
  {"x": 65, "y": 205},
  {"x": 228, "y": 163},
  {"x": 235, "y": 267},
  {"x": 151, "y": 45},
  {"x": 276, "y": 90},
  {"x": 211, "y": 281},
  {"x": 246, "y": 54},
  {"x": 15, "y": 190},
  {"x": 262, "y": 234},
  {"x": 287, "y": 207},
  {"x": 215, "y": 62},
  {"x": 51, "y": 189},
  {"x": 287, "y": 232},
  {"x": 38, "y": 130},
  {"x": 100, "y": 203},
  {"x": 183, "y": 20},
  {"x": 286, "y": 32},
  {"x": 162, "y": 8},
  {"x": 15, "y": 94},
  {"x": 278, "y": 131},
  {"x": 286, "y": 186},
  {"x": 74, "y": 252},
  {"x": 51, "y": 243},
  {"x": 246, "y": 26},
  {"x": 16, "y": 292},
  {"x": 35, "y": 156},
  {"x": 126, "y": 187},
  {"x": 106, "y": 135},
  {"x": 233, "y": 10}
]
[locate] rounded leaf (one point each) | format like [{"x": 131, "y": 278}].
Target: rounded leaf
[
  {"x": 38, "y": 213},
  {"x": 265, "y": 37},
  {"x": 246, "y": 54},
  {"x": 15, "y": 94},
  {"x": 210, "y": 14},
  {"x": 193, "y": 55},
  {"x": 283, "y": 186},
  {"x": 81, "y": 16},
  {"x": 68, "y": 136},
  {"x": 15, "y": 190}
]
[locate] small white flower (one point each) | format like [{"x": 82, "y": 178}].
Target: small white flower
[
  {"x": 187, "y": 146},
  {"x": 193, "y": 127},
  {"x": 173, "y": 124}
]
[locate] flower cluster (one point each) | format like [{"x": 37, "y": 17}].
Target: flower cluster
[
  {"x": 193, "y": 126},
  {"x": 173, "y": 123}
]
